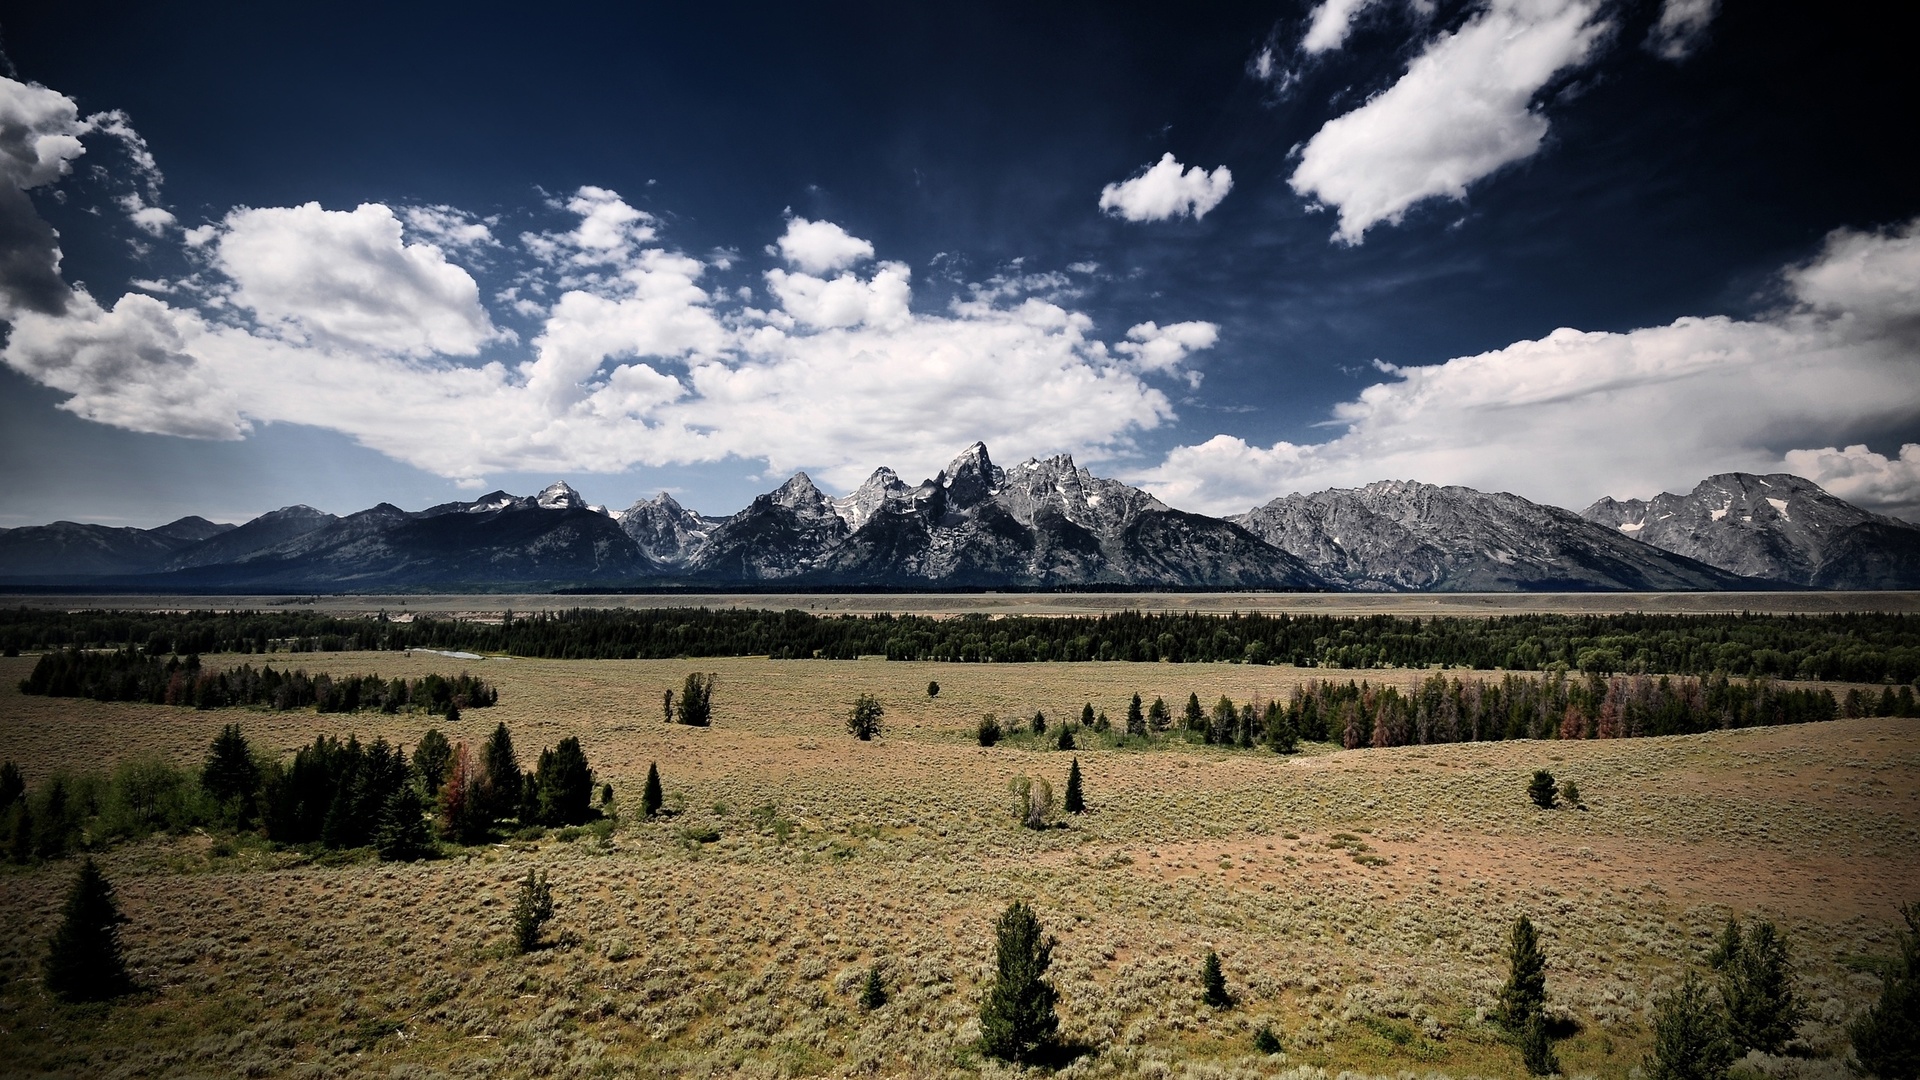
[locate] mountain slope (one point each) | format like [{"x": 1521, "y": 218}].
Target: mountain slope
[
  {"x": 1396, "y": 536},
  {"x": 1776, "y": 526},
  {"x": 70, "y": 549},
  {"x": 267, "y": 531}
]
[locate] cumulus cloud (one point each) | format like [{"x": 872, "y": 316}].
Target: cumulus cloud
[
  {"x": 1329, "y": 24},
  {"x": 1576, "y": 415},
  {"x": 357, "y": 322},
  {"x": 40, "y": 133},
  {"x": 1164, "y": 190},
  {"x": 348, "y": 278},
  {"x": 1861, "y": 476},
  {"x": 821, "y": 247},
  {"x": 1681, "y": 28},
  {"x": 1463, "y": 110}
]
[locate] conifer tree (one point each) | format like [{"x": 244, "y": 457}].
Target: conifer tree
[
  {"x": 933, "y": 689},
  {"x": 1136, "y": 720},
  {"x": 695, "y": 708},
  {"x": 863, "y": 721},
  {"x": 532, "y": 907},
  {"x": 1086, "y": 715},
  {"x": 230, "y": 775},
  {"x": 1158, "y": 719},
  {"x": 83, "y": 961},
  {"x": 1525, "y": 993},
  {"x": 501, "y": 774},
  {"x": 1196, "y": 717},
  {"x": 989, "y": 731},
  {"x": 430, "y": 761},
  {"x": 1213, "y": 982},
  {"x": 1017, "y": 1018},
  {"x": 1886, "y": 1038},
  {"x": 1541, "y": 789},
  {"x": 1073, "y": 802},
  {"x": 873, "y": 993},
  {"x": 1757, "y": 986},
  {"x": 1265, "y": 1041},
  {"x": 563, "y": 782},
  {"x": 1689, "y": 1036},
  {"x": 1039, "y": 723},
  {"x": 1065, "y": 739},
  {"x": 403, "y": 828},
  {"x": 1536, "y": 1048},
  {"x": 650, "y": 796}
]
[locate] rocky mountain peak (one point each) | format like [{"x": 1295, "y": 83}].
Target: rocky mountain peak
[
  {"x": 970, "y": 478},
  {"x": 881, "y": 489},
  {"x": 559, "y": 496}
]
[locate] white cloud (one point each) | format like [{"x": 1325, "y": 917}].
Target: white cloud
[
  {"x": 845, "y": 300},
  {"x": 449, "y": 227},
  {"x": 1162, "y": 348},
  {"x": 1858, "y": 475},
  {"x": 1463, "y": 110},
  {"x": 1576, "y": 415},
  {"x": 1681, "y": 27},
  {"x": 1163, "y": 190},
  {"x": 821, "y": 247},
  {"x": 40, "y": 133},
  {"x": 347, "y": 277},
  {"x": 1329, "y": 24}
]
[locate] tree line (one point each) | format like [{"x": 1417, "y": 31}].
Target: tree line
[
  {"x": 129, "y": 674},
  {"x": 1868, "y": 647}
]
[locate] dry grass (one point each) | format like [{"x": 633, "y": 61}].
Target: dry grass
[{"x": 1360, "y": 900}]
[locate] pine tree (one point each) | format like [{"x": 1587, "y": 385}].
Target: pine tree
[
  {"x": 1136, "y": 720},
  {"x": 1017, "y": 1018},
  {"x": 1536, "y": 1048},
  {"x": 1074, "y": 803},
  {"x": 1540, "y": 789},
  {"x": 83, "y": 961},
  {"x": 1265, "y": 1041},
  {"x": 1525, "y": 994},
  {"x": 650, "y": 796},
  {"x": 501, "y": 770},
  {"x": 1158, "y": 719},
  {"x": 1886, "y": 1038},
  {"x": 1727, "y": 949},
  {"x": 1196, "y": 717},
  {"x": 1065, "y": 739},
  {"x": 230, "y": 775},
  {"x": 1213, "y": 982},
  {"x": 1689, "y": 1036},
  {"x": 873, "y": 993},
  {"x": 430, "y": 760},
  {"x": 696, "y": 700},
  {"x": 532, "y": 907},
  {"x": 403, "y": 827},
  {"x": 863, "y": 721},
  {"x": 989, "y": 731},
  {"x": 563, "y": 782},
  {"x": 1757, "y": 986},
  {"x": 1086, "y": 715},
  {"x": 1039, "y": 723}
]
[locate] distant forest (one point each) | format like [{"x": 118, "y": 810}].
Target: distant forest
[
  {"x": 1853, "y": 647},
  {"x": 131, "y": 675}
]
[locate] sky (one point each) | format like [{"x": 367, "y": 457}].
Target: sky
[{"x": 340, "y": 254}]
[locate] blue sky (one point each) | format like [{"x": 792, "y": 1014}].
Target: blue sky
[{"x": 340, "y": 255}]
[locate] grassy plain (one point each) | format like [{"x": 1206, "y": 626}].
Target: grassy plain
[{"x": 1360, "y": 900}]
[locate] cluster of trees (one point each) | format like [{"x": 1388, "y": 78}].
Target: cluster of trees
[
  {"x": 133, "y": 675},
  {"x": 1870, "y": 648},
  {"x": 332, "y": 794}
]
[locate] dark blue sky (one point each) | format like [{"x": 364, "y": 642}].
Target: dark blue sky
[{"x": 973, "y": 141}]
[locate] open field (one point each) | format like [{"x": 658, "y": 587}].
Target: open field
[
  {"x": 1408, "y": 605},
  {"x": 744, "y": 955}
]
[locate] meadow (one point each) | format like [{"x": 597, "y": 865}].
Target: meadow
[{"x": 1360, "y": 900}]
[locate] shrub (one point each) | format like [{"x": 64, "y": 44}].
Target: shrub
[
  {"x": 1540, "y": 789},
  {"x": 1032, "y": 802},
  {"x": 650, "y": 796},
  {"x": 83, "y": 961},
  {"x": 1570, "y": 791},
  {"x": 1525, "y": 994},
  {"x": 695, "y": 707},
  {"x": 989, "y": 732},
  {"x": 532, "y": 907},
  {"x": 606, "y": 794},
  {"x": 873, "y": 993},
  {"x": 1886, "y": 1038},
  {"x": 933, "y": 689},
  {"x": 1074, "y": 802},
  {"x": 1756, "y": 983},
  {"x": 1017, "y": 1018},
  {"x": 1689, "y": 1036},
  {"x": 1213, "y": 982},
  {"x": 863, "y": 720}
]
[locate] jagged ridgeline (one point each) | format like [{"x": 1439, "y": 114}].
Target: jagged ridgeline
[
  {"x": 130, "y": 675},
  {"x": 1869, "y": 648}
]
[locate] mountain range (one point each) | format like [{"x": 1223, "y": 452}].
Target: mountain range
[{"x": 1039, "y": 524}]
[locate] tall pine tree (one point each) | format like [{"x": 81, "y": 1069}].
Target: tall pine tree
[
  {"x": 651, "y": 796},
  {"x": 1886, "y": 1038},
  {"x": 1074, "y": 802},
  {"x": 83, "y": 961},
  {"x": 1017, "y": 1018},
  {"x": 1525, "y": 993}
]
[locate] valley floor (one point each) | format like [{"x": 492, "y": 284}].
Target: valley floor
[{"x": 1360, "y": 900}]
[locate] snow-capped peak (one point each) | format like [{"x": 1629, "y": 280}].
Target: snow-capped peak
[{"x": 558, "y": 496}]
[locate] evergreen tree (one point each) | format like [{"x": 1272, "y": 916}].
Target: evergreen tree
[
  {"x": 83, "y": 962},
  {"x": 873, "y": 993},
  {"x": 564, "y": 784},
  {"x": 696, "y": 700},
  {"x": 989, "y": 732},
  {"x": 230, "y": 775},
  {"x": 403, "y": 828},
  {"x": 1136, "y": 720},
  {"x": 1540, "y": 789},
  {"x": 1017, "y": 1018},
  {"x": 1158, "y": 719},
  {"x": 50, "y": 824},
  {"x": 933, "y": 689},
  {"x": 1086, "y": 715},
  {"x": 1196, "y": 717},
  {"x": 1265, "y": 1041},
  {"x": 863, "y": 721},
  {"x": 1039, "y": 722},
  {"x": 1689, "y": 1036},
  {"x": 1282, "y": 735},
  {"x": 1525, "y": 994},
  {"x": 500, "y": 771},
  {"x": 12, "y": 786},
  {"x": 1536, "y": 1048},
  {"x": 1886, "y": 1038},
  {"x": 430, "y": 761},
  {"x": 1073, "y": 802},
  {"x": 1757, "y": 986},
  {"x": 651, "y": 796},
  {"x": 1213, "y": 982},
  {"x": 1727, "y": 948},
  {"x": 1065, "y": 739},
  {"x": 532, "y": 907}
]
